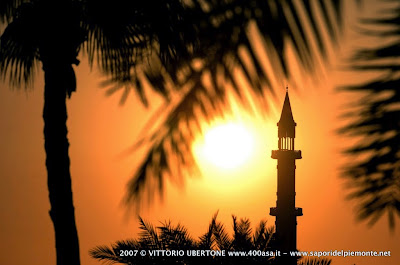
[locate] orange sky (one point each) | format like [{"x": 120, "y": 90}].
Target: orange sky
[{"x": 100, "y": 130}]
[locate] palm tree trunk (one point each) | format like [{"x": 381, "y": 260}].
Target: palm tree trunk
[{"x": 57, "y": 163}]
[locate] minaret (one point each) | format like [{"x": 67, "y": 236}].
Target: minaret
[{"x": 285, "y": 210}]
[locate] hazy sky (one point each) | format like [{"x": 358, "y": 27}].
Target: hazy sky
[{"x": 100, "y": 130}]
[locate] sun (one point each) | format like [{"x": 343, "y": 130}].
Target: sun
[{"x": 227, "y": 146}]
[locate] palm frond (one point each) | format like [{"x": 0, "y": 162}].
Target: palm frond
[
  {"x": 222, "y": 239},
  {"x": 206, "y": 241},
  {"x": 8, "y": 9},
  {"x": 241, "y": 234},
  {"x": 19, "y": 47},
  {"x": 112, "y": 255},
  {"x": 175, "y": 237},
  {"x": 149, "y": 236},
  {"x": 263, "y": 236},
  {"x": 375, "y": 180},
  {"x": 124, "y": 34},
  {"x": 231, "y": 36}
]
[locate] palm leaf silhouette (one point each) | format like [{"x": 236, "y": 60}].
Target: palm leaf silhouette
[
  {"x": 116, "y": 37},
  {"x": 113, "y": 255},
  {"x": 231, "y": 35},
  {"x": 207, "y": 239},
  {"x": 149, "y": 235},
  {"x": 241, "y": 234},
  {"x": 176, "y": 237},
  {"x": 221, "y": 237},
  {"x": 263, "y": 236},
  {"x": 170, "y": 237},
  {"x": 375, "y": 180}
]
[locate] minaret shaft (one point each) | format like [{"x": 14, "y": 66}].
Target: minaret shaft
[{"x": 285, "y": 211}]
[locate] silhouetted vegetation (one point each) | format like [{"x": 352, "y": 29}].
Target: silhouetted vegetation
[
  {"x": 169, "y": 237},
  {"x": 231, "y": 35},
  {"x": 116, "y": 36},
  {"x": 375, "y": 179}
]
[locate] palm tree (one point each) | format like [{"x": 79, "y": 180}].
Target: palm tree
[
  {"x": 115, "y": 36},
  {"x": 375, "y": 180},
  {"x": 168, "y": 237},
  {"x": 189, "y": 41}
]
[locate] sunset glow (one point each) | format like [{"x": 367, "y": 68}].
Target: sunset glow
[
  {"x": 177, "y": 132},
  {"x": 227, "y": 146}
]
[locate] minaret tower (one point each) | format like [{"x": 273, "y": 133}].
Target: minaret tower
[{"x": 285, "y": 210}]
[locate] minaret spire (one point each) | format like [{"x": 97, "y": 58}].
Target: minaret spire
[
  {"x": 285, "y": 211},
  {"x": 286, "y": 123}
]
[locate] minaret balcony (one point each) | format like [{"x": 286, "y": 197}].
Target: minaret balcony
[
  {"x": 282, "y": 153},
  {"x": 273, "y": 211},
  {"x": 298, "y": 211}
]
